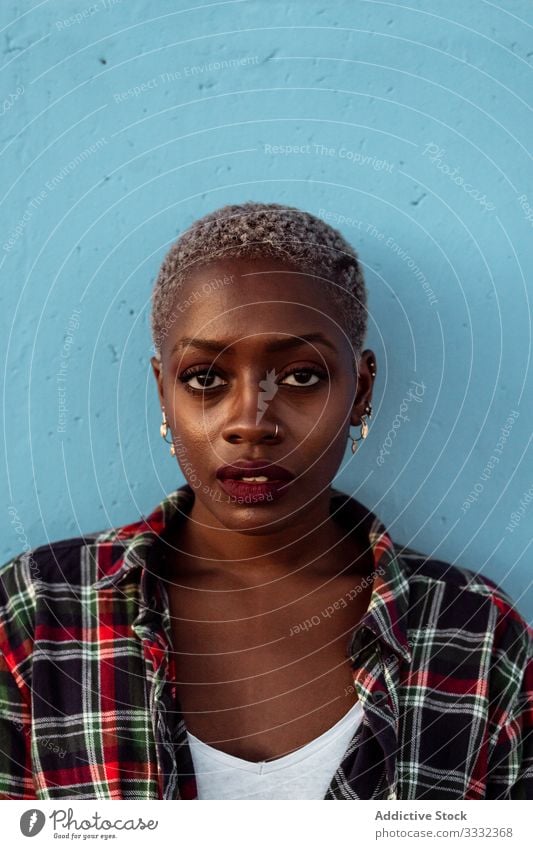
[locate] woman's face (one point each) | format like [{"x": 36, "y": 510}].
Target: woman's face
[{"x": 276, "y": 352}]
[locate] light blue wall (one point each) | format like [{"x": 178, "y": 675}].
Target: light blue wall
[{"x": 417, "y": 123}]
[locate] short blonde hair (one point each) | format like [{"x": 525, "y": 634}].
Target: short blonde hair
[{"x": 297, "y": 238}]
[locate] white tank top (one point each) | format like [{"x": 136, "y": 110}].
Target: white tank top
[{"x": 305, "y": 773}]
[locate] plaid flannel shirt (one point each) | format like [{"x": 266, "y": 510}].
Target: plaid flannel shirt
[{"x": 441, "y": 661}]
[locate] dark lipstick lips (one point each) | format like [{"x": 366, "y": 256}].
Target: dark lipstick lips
[
  {"x": 253, "y": 468},
  {"x": 254, "y": 492}
]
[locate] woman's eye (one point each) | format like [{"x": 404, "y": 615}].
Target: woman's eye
[
  {"x": 301, "y": 377},
  {"x": 205, "y": 379}
]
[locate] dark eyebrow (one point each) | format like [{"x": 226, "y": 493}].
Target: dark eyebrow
[{"x": 275, "y": 345}]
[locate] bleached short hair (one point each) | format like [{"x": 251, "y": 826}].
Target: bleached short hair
[{"x": 300, "y": 240}]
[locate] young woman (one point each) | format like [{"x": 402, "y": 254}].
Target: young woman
[{"x": 259, "y": 635}]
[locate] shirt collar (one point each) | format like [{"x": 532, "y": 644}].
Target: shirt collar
[{"x": 121, "y": 550}]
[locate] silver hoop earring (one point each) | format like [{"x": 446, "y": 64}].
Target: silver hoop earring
[
  {"x": 163, "y": 430},
  {"x": 364, "y": 429}
]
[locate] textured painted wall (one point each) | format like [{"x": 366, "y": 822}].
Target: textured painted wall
[{"x": 406, "y": 125}]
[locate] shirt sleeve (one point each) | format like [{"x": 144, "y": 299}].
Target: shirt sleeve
[
  {"x": 16, "y": 643},
  {"x": 511, "y": 764},
  {"x": 523, "y": 786},
  {"x": 16, "y": 781}
]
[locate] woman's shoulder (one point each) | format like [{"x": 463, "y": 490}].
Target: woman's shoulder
[
  {"x": 48, "y": 578},
  {"x": 464, "y": 593},
  {"x": 455, "y": 574},
  {"x": 56, "y": 561}
]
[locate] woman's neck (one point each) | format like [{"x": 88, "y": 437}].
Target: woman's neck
[{"x": 314, "y": 545}]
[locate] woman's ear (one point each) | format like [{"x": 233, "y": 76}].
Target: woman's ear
[
  {"x": 157, "y": 367},
  {"x": 365, "y": 385}
]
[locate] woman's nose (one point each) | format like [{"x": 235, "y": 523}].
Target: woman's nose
[{"x": 250, "y": 414}]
